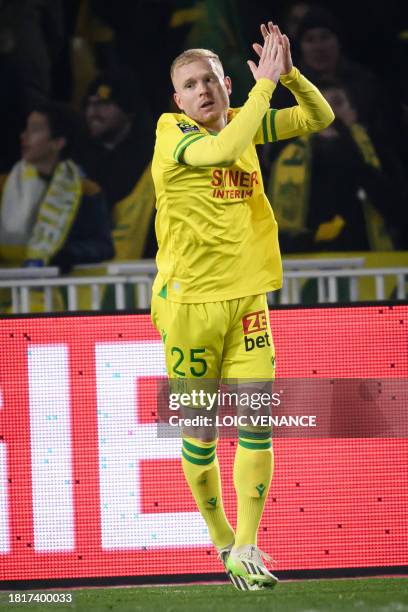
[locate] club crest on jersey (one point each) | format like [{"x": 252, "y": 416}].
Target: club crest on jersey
[{"x": 186, "y": 127}]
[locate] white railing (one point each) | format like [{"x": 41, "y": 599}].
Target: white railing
[
  {"x": 327, "y": 284},
  {"x": 294, "y": 275},
  {"x": 139, "y": 277}
]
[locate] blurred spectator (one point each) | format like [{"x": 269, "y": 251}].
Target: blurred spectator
[
  {"x": 122, "y": 135},
  {"x": 141, "y": 42},
  {"x": 321, "y": 56},
  {"x": 330, "y": 192},
  {"x": 92, "y": 49},
  {"x": 34, "y": 63},
  {"x": 401, "y": 61},
  {"x": 50, "y": 214},
  {"x": 37, "y": 29},
  {"x": 220, "y": 25},
  {"x": 293, "y": 16},
  {"x": 13, "y": 107}
]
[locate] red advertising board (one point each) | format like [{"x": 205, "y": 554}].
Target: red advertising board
[{"x": 88, "y": 488}]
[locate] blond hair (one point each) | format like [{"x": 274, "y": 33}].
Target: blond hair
[{"x": 192, "y": 55}]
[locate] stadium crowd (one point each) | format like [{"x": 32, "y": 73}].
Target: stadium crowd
[{"x": 84, "y": 82}]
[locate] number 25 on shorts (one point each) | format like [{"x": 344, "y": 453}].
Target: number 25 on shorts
[{"x": 198, "y": 365}]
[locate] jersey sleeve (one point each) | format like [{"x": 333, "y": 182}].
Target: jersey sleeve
[
  {"x": 229, "y": 144},
  {"x": 311, "y": 114},
  {"x": 174, "y": 134},
  {"x": 267, "y": 129}
]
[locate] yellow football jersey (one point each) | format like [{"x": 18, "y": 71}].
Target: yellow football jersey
[{"x": 217, "y": 235}]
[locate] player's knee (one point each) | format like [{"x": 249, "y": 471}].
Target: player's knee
[{"x": 201, "y": 432}]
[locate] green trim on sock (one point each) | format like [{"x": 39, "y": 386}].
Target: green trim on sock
[
  {"x": 254, "y": 435},
  {"x": 198, "y": 450},
  {"x": 197, "y": 461},
  {"x": 254, "y": 445}
]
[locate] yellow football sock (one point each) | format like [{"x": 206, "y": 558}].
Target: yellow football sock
[
  {"x": 253, "y": 468},
  {"x": 202, "y": 472}
]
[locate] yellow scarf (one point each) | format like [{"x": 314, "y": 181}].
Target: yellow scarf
[
  {"x": 288, "y": 189},
  {"x": 288, "y": 186},
  {"x": 131, "y": 218},
  {"x": 47, "y": 212}
]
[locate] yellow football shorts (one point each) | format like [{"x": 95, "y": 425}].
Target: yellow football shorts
[{"x": 230, "y": 339}]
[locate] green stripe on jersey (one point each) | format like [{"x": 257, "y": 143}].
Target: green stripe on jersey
[
  {"x": 272, "y": 122},
  {"x": 187, "y": 144},
  {"x": 265, "y": 128},
  {"x": 184, "y": 143},
  {"x": 179, "y": 144}
]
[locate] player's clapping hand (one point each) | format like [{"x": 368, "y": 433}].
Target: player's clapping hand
[
  {"x": 274, "y": 30},
  {"x": 270, "y": 64}
]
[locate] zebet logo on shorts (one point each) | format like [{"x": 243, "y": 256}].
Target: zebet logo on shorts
[{"x": 254, "y": 323}]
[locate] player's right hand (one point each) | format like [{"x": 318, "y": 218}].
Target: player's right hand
[
  {"x": 284, "y": 41},
  {"x": 271, "y": 62}
]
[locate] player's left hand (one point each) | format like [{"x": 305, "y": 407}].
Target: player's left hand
[{"x": 283, "y": 41}]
